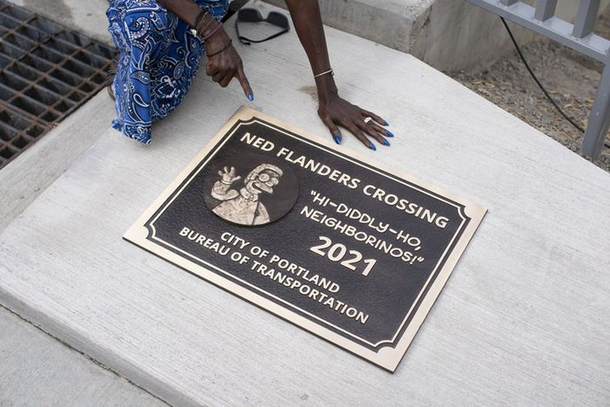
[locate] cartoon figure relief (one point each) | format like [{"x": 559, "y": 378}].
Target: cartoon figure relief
[{"x": 244, "y": 207}]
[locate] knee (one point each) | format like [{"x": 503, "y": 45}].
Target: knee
[
  {"x": 143, "y": 18},
  {"x": 218, "y": 8}
]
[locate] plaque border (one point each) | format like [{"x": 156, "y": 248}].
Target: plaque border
[
  {"x": 387, "y": 357},
  {"x": 197, "y": 169}
]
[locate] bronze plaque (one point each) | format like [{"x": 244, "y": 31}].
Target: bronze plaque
[{"x": 343, "y": 247}]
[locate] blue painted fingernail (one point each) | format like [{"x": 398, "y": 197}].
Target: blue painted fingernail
[
  {"x": 337, "y": 138},
  {"x": 385, "y": 142},
  {"x": 389, "y": 133},
  {"x": 372, "y": 146},
  {"x": 251, "y": 97},
  {"x": 385, "y": 123}
]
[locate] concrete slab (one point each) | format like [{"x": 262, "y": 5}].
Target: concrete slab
[
  {"x": 25, "y": 178},
  {"x": 38, "y": 370},
  {"x": 450, "y": 35},
  {"x": 86, "y": 16},
  {"x": 522, "y": 321}
]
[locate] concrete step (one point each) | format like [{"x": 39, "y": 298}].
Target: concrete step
[
  {"x": 450, "y": 35},
  {"x": 86, "y": 16},
  {"x": 522, "y": 320},
  {"x": 38, "y": 370}
]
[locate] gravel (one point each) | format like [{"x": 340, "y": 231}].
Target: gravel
[{"x": 570, "y": 78}]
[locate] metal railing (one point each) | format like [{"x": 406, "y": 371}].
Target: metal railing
[{"x": 578, "y": 36}]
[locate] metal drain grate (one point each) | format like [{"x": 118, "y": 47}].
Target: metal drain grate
[{"x": 46, "y": 72}]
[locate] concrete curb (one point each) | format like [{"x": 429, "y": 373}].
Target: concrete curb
[
  {"x": 25, "y": 178},
  {"x": 449, "y": 35},
  {"x": 101, "y": 355},
  {"x": 39, "y": 370}
]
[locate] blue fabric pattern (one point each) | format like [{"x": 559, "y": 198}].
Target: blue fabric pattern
[{"x": 158, "y": 59}]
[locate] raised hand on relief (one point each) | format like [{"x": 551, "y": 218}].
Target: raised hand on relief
[{"x": 228, "y": 176}]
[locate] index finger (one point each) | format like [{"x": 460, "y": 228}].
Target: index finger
[{"x": 243, "y": 81}]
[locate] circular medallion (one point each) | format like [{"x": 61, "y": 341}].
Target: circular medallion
[{"x": 250, "y": 190}]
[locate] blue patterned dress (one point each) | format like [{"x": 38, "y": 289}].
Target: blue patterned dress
[{"x": 158, "y": 59}]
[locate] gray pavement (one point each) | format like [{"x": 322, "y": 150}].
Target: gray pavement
[
  {"x": 35, "y": 368},
  {"x": 522, "y": 320},
  {"x": 450, "y": 35},
  {"x": 86, "y": 16},
  {"x": 38, "y": 370}
]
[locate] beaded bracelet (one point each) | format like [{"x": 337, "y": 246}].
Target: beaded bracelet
[
  {"x": 200, "y": 18},
  {"x": 221, "y": 50},
  {"x": 214, "y": 31},
  {"x": 330, "y": 71},
  {"x": 197, "y": 30}
]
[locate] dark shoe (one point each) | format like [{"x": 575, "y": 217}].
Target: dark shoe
[
  {"x": 111, "y": 91},
  {"x": 110, "y": 78}
]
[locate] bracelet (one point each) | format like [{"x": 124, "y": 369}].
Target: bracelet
[
  {"x": 208, "y": 25},
  {"x": 196, "y": 29},
  {"x": 221, "y": 50},
  {"x": 330, "y": 71},
  {"x": 214, "y": 31},
  {"x": 200, "y": 18}
]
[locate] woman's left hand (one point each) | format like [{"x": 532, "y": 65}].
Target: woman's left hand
[{"x": 363, "y": 124}]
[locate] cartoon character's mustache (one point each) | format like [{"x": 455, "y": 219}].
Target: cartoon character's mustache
[{"x": 263, "y": 187}]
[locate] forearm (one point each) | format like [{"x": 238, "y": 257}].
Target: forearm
[
  {"x": 307, "y": 21},
  {"x": 219, "y": 190},
  {"x": 186, "y": 10}
]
